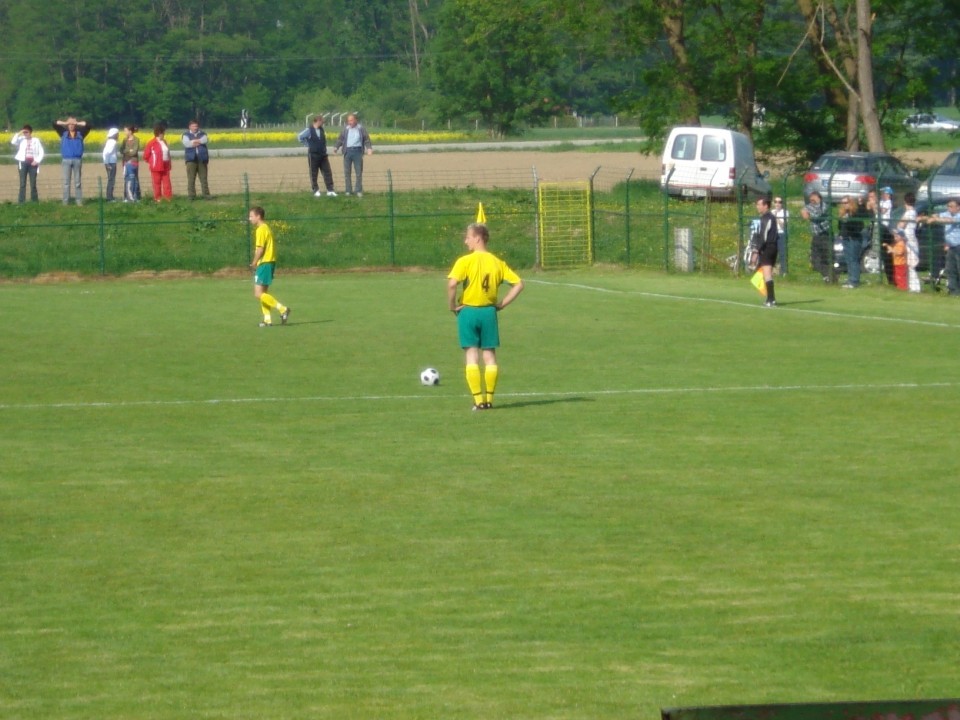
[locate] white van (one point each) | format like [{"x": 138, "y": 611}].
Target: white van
[{"x": 709, "y": 162}]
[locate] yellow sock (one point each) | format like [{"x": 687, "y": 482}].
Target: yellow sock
[
  {"x": 490, "y": 374},
  {"x": 473, "y": 382},
  {"x": 268, "y": 300},
  {"x": 265, "y": 309}
]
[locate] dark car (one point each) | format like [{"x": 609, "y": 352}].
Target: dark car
[
  {"x": 840, "y": 173},
  {"x": 943, "y": 183}
]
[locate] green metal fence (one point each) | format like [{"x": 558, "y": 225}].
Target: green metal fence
[{"x": 632, "y": 224}]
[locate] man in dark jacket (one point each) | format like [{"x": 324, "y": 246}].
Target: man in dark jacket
[
  {"x": 196, "y": 156},
  {"x": 316, "y": 141}
]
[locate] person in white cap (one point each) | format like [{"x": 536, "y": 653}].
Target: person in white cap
[{"x": 110, "y": 160}]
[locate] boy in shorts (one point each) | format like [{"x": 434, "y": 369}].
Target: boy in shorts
[{"x": 481, "y": 274}]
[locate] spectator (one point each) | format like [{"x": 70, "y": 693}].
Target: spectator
[
  {"x": 72, "y": 132},
  {"x": 110, "y": 161},
  {"x": 197, "y": 157},
  {"x": 354, "y": 140},
  {"x": 318, "y": 161},
  {"x": 907, "y": 227},
  {"x": 782, "y": 215},
  {"x": 131, "y": 164},
  {"x": 951, "y": 236},
  {"x": 898, "y": 252},
  {"x": 821, "y": 243},
  {"x": 157, "y": 156},
  {"x": 853, "y": 217},
  {"x": 29, "y": 155}
]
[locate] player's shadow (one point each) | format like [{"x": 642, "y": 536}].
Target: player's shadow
[
  {"x": 294, "y": 323},
  {"x": 534, "y": 403},
  {"x": 798, "y": 302}
]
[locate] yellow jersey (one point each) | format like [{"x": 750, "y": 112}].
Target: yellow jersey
[
  {"x": 264, "y": 239},
  {"x": 481, "y": 273}
]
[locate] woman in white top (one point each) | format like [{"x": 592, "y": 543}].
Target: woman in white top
[{"x": 28, "y": 156}]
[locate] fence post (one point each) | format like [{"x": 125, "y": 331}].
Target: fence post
[
  {"x": 248, "y": 229},
  {"x": 100, "y": 227},
  {"x": 536, "y": 218},
  {"x": 784, "y": 264},
  {"x": 740, "y": 243},
  {"x": 666, "y": 221},
  {"x": 393, "y": 229},
  {"x": 593, "y": 225},
  {"x": 626, "y": 204}
]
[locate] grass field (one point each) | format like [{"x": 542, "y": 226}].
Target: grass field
[{"x": 681, "y": 498}]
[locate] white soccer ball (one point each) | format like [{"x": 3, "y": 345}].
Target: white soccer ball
[{"x": 430, "y": 376}]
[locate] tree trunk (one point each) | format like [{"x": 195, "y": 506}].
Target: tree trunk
[
  {"x": 868, "y": 100},
  {"x": 689, "y": 101}
]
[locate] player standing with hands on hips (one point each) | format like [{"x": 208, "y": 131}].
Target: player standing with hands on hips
[
  {"x": 264, "y": 261},
  {"x": 481, "y": 273}
]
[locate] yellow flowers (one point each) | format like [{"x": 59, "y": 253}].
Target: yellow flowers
[{"x": 263, "y": 138}]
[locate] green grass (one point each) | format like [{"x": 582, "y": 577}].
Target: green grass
[{"x": 680, "y": 499}]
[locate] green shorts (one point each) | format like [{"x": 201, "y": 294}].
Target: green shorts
[
  {"x": 264, "y": 274},
  {"x": 478, "y": 327}
]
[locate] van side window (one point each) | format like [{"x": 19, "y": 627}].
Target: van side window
[
  {"x": 714, "y": 149},
  {"x": 684, "y": 147}
]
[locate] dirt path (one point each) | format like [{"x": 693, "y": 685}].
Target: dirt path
[{"x": 404, "y": 171}]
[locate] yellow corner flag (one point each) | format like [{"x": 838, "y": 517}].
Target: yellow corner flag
[{"x": 481, "y": 215}]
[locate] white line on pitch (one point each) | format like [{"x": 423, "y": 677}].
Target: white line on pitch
[
  {"x": 781, "y": 308},
  {"x": 122, "y": 404}
]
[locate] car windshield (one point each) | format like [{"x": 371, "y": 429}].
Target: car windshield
[
  {"x": 951, "y": 166},
  {"x": 835, "y": 164},
  {"x": 887, "y": 166}
]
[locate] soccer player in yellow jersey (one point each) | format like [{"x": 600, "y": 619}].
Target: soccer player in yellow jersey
[
  {"x": 264, "y": 261},
  {"x": 481, "y": 273}
]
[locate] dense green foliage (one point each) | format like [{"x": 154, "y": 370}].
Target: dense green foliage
[
  {"x": 202, "y": 519},
  {"x": 505, "y": 64}
]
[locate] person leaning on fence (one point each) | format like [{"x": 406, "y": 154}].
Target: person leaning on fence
[
  {"x": 72, "y": 132},
  {"x": 763, "y": 244},
  {"x": 196, "y": 157},
  {"x": 951, "y": 241},
  {"x": 820, "y": 241},
  {"x": 29, "y": 155},
  {"x": 318, "y": 160}
]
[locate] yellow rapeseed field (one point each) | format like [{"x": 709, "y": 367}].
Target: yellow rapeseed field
[{"x": 262, "y": 138}]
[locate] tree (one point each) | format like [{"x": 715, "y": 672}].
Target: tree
[{"x": 496, "y": 59}]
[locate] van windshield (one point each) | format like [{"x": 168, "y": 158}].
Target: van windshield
[{"x": 714, "y": 149}]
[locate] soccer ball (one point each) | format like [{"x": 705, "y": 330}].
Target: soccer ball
[{"x": 430, "y": 376}]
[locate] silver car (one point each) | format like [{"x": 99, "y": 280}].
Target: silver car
[
  {"x": 943, "y": 183},
  {"x": 840, "y": 173},
  {"x": 928, "y": 122}
]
